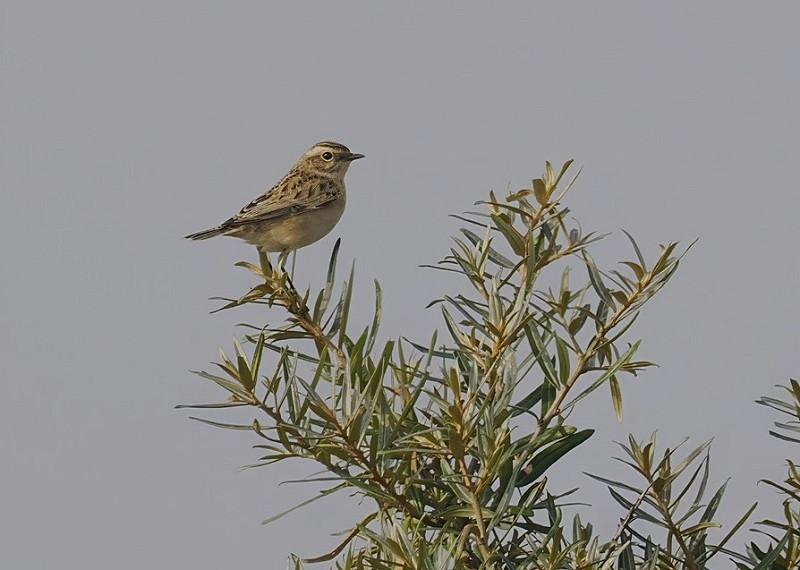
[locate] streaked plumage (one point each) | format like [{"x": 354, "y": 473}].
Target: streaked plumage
[{"x": 301, "y": 208}]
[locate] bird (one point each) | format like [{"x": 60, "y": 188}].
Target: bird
[{"x": 302, "y": 208}]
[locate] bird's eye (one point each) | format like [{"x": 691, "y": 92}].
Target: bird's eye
[{"x": 327, "y": 155}]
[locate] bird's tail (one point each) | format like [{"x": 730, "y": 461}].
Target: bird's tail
[{"x": 205, "y": 234}]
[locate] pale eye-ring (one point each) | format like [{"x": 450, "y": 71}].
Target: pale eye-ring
[{"x": 327, "y": 155}]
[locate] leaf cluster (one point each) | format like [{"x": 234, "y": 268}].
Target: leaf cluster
[{"x": 452, "y": 440}]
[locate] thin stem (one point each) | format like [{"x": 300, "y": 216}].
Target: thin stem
[
  {"x": 294, "y": 303},
  {"x": 673, "y": 529},
  {"x": 476, "y": 509},
  {"x": 581, "y": 366}
]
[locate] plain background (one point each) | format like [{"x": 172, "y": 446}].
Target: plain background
[{"x": 126, "y": 125}]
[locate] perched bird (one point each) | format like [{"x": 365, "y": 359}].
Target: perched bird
[{"x": 300, "y": 209}]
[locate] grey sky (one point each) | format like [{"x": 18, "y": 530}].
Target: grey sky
[{"x": 127, "y": 125}]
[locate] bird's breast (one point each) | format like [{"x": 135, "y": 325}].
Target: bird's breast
[{"x": 295, "y": 231}]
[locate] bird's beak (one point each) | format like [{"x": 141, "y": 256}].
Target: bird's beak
[{"x": 352, "y": 156}]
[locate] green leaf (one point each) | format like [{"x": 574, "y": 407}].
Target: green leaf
[
  {"x": 718, "y": 547},
  {"x": 576, "y": 324},
  {"x": 243, "y": 366},
  {"x": 638, "y": 512},
  {"x": 257, "y": 352},
  {"x": 543, "y": 460},
  {"x": 702, "y": 526},
  {"x": 539, "y": 349},
  {"x": 540, "y": 191},
  {"x": 519, "y": 195},
  {"x": 231, "y": 387},
  {"x": 376, "y": 319},
  {"x": 494, "y": 255},
  {"x": 616, "y": 396},
  {"x": 564, "y": 169},
  {"x": 513, "y": 237},
  {"x": 637, "y": 269},
  {"x": 341, "y": 314},
  {"x": 549, "y": 174},
  {"x": 771, "y": 556},
  {"x": 260, "y": 272},
  {"x": 526, "y": 403},
  {"x": 597, "y": 281},
  {"x": 325, "y": 296},
  {"x": 609, "y": 371},
  {"x": 639, "y": 255},
  {"x": 212, "y": 406},
  {"x": 322, "y": 494},
  {"x": 238, "y": 427},
  {"x": 562, "y": 350},
  {"x": 676, "y": 471}
]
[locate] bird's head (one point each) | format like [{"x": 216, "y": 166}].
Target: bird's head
[{"x": 329, "y": 156}]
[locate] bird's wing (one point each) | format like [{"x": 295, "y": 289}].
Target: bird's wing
[
  {"x": 291, "y": 196},
  {"x": 283, "y": 211}
]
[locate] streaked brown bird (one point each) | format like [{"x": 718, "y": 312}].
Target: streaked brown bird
[{"x": 303, "y": 207}]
